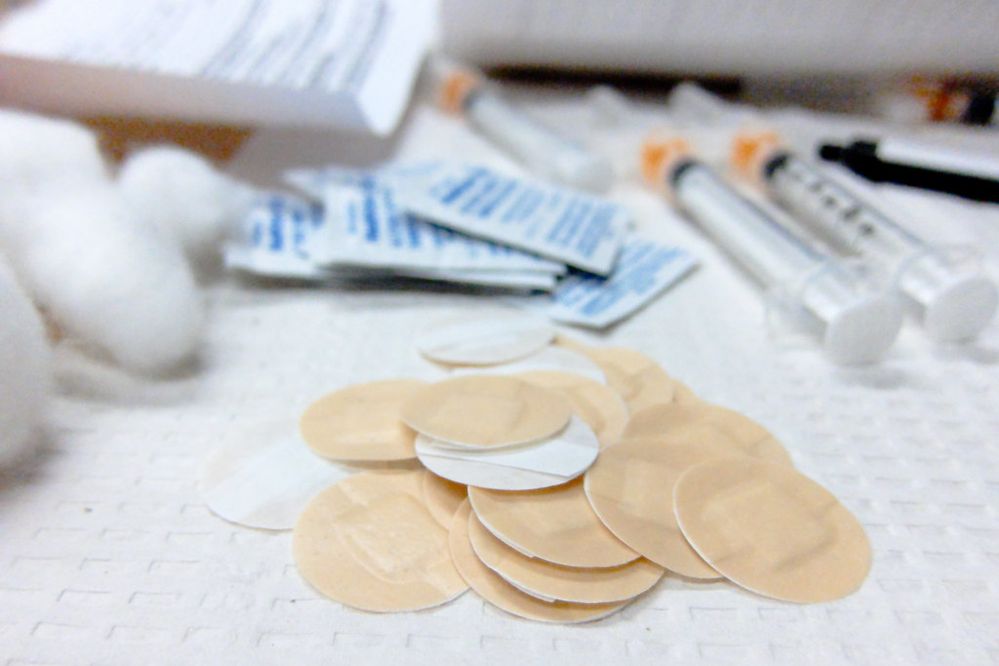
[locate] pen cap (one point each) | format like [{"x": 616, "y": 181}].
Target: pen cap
[
  {"x": 952, "y": 298},
  {"x": 855, "y": 322}
]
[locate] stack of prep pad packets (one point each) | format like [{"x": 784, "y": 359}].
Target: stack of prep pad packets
[{"x": 461, "y": 224}]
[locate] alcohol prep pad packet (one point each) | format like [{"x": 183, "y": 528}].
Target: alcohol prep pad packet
[
  {"x": 583, "y": 231},
  {"x": 365, "y": 227},
  {"x": 644, "y": 270},
  {"x": 279, "y": 234},
  {"x": 274, "y": 239}
]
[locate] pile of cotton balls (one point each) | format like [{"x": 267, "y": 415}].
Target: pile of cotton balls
[{"x": 110, "y": 261}]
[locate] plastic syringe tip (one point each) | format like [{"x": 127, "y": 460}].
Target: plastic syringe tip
[
  {"x": 751, "y": 149},
  {"x": 455, "y": 85},
  {"x": 659, "y": 153}
]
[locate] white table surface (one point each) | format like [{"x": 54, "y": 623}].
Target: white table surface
[{"x": 109, "y": 556}]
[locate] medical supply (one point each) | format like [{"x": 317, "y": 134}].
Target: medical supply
[
  {"x": 552, "y": 582},
  {"x": 577, "y": 229},
  {"x": 264, "y": 476},
  {"x": 26, "y": 382},
  {"x": 549, "y": 359},
  {"x": 704, "y": 421},
  {"x": 600, "y": 406},
  {"x": 556, "y": 525},
  {"x": 365, "y": 227},
  {"x": 443, "y": 498},
  {"x": 530, "y": 533},
  {"x": 346, "y": 544},
  {"x": 483, "y": 411},
  {"x": 965, "y": 174},
  {"x": 432, "y": 214},
  {"x": 771, "y": 530},
  {"x": 281, "y": 232},
  {"x": 361, "y": 422},
  {"x": 630, "y": 488},
  {"x": 539, "y": 148},
  {"x": 540, "y": 464},
  {"x": 274, "y": 239},
  {"x": 644, "y": 269},
  {"x": 482, "y": 472},
  {"x": 952, "y": 300},
  {"x": 497, "y": 591},
  {"x": 560, "y": 224},
  {"x": 636, "y": 377},
  {"x": 483, "y": 337},
  {"x": 855, "y": 323}
]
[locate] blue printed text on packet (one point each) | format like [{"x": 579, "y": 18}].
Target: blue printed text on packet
[
  {"x": 645, "y": 268},
  {"x": 280, "y": 230},
  {"x": 577, "y": 229},
  {"x": 365, "y": 227},
  {"x": 275, "y": 238}
]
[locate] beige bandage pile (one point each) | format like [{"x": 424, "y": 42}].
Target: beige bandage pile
[{"x": 557, "y": 480}]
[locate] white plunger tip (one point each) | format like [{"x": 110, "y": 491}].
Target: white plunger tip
[
  {"x": 961, "y": 310},
  {"x": 863, "y": 331}
]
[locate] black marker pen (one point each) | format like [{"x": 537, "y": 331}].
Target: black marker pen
[{"x": 972, "y": 176}]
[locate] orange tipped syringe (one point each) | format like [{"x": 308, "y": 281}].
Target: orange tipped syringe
[
  {"x": 854, "y": 321},
  {"x": 538, "y": 147}
]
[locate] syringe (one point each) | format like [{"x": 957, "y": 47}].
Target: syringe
[
  {"x": 855, "y": 323},
  {"x": 952, "y": 300},
  {"x": 539, "y": 148}
]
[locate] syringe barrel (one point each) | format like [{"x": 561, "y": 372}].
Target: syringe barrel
[
  {"x": 854, "y": 325},
  {"x": 767, "y": 249},
  {"x": 953, "y": 301},
  {"x": 835, "y": 213},
  {"x": 539, "y": 148}
]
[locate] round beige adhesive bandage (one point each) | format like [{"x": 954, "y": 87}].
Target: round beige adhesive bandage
[
  {"x": 555, "y": 583},
  {"x": 772, "y": 530},
  {"x": 600, "y": 406},
  {"x": 369, "y": 542},
  {"x": 635, "y": 376},
  {"x": 491, "y": 586},
  {"x": 630, "y": 488},
  {"x": 550, "y": 359},
  {"x": 486, "y": 411},
  {"x": 683, "y": 395},
  {"x": 362, "y": 422},
  {"x": 485, "y": 337},
  {"x": 554, "y": 524},
  {"x": 550, "y": 462},
  {"x": 442, "y": 498},
  {"x": 572, "y": 344},
  {"x": 703, "y": 421}
]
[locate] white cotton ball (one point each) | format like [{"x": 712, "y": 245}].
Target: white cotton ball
[
  {"x": 108, "y": 280},
  {"x": 104, "y": 277},
  {"x": 184, "y": 196},
  {"x": 36, "y": 154},
  {"x": 26, "y": 370}
]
